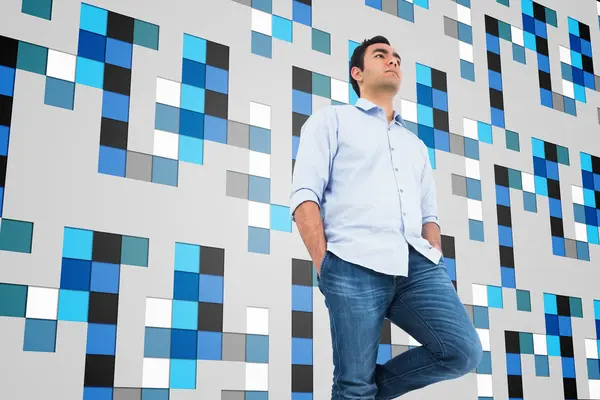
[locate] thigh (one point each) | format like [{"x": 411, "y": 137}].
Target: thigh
[
  {"x": 427, "y": 307},
  {"x": 357, "y": 299}
]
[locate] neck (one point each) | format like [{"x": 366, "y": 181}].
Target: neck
[{"x": 383, "y": 100}]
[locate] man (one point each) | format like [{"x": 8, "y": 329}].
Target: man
[{"x": 364, "y": 202}]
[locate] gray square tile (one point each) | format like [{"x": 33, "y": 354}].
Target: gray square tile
[
  {"x": 390, "y": 7},
  {"x": 457, "y": 144},
  {"x": 234, "y": 347},
  {"x": 459, "y": 185},
  {"x": 451, "y": 27},
  {"x": 571, "y": 248},
  {"x": 558, "y": 102},
  {"x": 236, "y": 185},
  {"x": 232, "y": 395},
  {"x": 139, "y": 166},
  {"x": 238, "y": 134},
  {"x": 302, "y": 272},
  {"x": 127, "y": 394}
]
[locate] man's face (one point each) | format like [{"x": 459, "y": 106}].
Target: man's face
[{"x": 381, "y": 69}]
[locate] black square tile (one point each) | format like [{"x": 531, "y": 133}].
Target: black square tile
[
  {"x": 554, "y": 189},
  {"x": 307, "y": 2},
  {"x": 99, "y": 370},
  {"x": 212, "y": 261},
  {"x": 507, "y": 256},
  {"x": 302, "y": 272},
  {"x": 587, "y": 64},
  {"x": 120, "y": 27},
  {"x": 513, "y": 343},
  {"x": 544, "y": 79},
  {"x": 210, "y": 317},
  {"x": 117, "y": 79},
  {"x": 302, "y": 80},
  {"x": 298, "y": 121},
  {"x": 515, "y": 386},
  {"x": 9, "y": 48},
  {"x": 216, "y": 104},
  {"x": 491, "y": 26},
  {"x": 570, "y": 388},
  {"x": 6, "y": 104},
  {"x": 494, "y": 62},
  {"x": 107, "y": 247},
  {"x": 114, "y": 133},
  {"x": 504, "y": 215},
  {"x": 566, "y": 346},
  {"x": 103, "y": 308},
  {"x": 563, "y": 305},
  {"x": 448, "y": 246},
  {"x": 386, "y": 332},
  {"x": 302, "y": 378},
  {"x": 584, "y": 31},
  {"x": 302, "y": 324},
  {"x": 501, "y": 175},
  {"x": 541, "y": 45},
  {"x": 3, "y": 164},
  {"x": 539, "y": 12},
  {"x": 496, "y": 99},
  {"x": 596, "y": 164},
  {"x": 440, "y": 120},
  {"x": 217, "y": 55},
  {"x": 556, "y": 227},
  {"x": 551, "y": 152},
  {"x": 597, "y": 196},
  {"x": 439, "y": 80}
]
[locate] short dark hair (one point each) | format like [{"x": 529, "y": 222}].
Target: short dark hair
[{"x": 358, "y": 57}]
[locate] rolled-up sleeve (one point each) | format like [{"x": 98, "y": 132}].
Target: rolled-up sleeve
[
  {"x": 429, "y": 209},
  {"x": 317, "y": 146}
]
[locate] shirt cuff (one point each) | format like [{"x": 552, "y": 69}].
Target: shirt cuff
[
  {"x": 431, "y": 218},
  {"x": 299, "y": 197}
]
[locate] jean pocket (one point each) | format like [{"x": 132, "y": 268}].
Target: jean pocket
[{"x": 323, "y": 264}]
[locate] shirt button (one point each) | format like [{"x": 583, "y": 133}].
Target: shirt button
[{"x": 396, "y": 169}]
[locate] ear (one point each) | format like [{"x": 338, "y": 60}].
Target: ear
[{"x": 356, "y": 74}]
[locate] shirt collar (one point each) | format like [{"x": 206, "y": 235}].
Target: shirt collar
[{"x": 368, "y": 105}]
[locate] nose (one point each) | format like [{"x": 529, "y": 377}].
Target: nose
[{"x": 393, "y": 61}]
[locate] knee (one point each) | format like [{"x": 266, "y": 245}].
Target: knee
[{"x": 464, "y": 356}]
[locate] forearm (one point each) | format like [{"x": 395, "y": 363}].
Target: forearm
[
  {"x": 310, "y": 226},
  {"x": 431, "y": 231}
]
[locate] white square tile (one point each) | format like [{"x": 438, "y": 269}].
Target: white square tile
[
  {"x": 257, "y": 376},
  {"x": 61, "y": 65},
  {"x": 156, "y": 373},
  {"x": 472, "y": 168},
  {"x": 159, "y": 312},
  {"x": 485, "y": 387},
  {"x": 577, "y": 193},
  {"x": 166, "y": 144},
  {"x": 259, "y": 164},
  {"x": 470, "y": 128},
  {"x": 480, "y": 295},
  {"x": 475, "y": 209},
  {"x": 42, "y": 303},
  {"x": 463, "y": 14},
  {"x": 594, "y": 387},
  {"x": 484, "y": 337},
  {"x": 168, "y": 92},
  {"x": 465, "y": 51},
  {"x": 340, "y": 91},
  {"x": 260, "y": 115},
  {"x": 259, "y": 215},
  {"x": 568, "y": 89},
  {"x": 565, "y": 54},
  {"x": 540, "y": 346},
  {"x": 262, "y": 22},
  {"x": 581, "y": 232},
  {"x": 528, "y": 182},
  {"x": 516, "y": 35},
  {"x": 409, "y": 110},
  {"x": 257, "y": 321},
  {"x": 591, "y": 349}
]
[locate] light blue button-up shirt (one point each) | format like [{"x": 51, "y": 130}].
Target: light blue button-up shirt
[{"x": 373, "y": 182}]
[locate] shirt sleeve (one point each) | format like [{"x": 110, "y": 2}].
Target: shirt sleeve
[
  {"x": 428, "y": 191},
  {"x": 316, "y": 149}
]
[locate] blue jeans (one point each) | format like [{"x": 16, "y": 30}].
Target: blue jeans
[{"x": 425, "y": 305}]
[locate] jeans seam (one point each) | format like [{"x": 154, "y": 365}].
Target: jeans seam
[
  {"x": 393, "y": 378},
  {"x": 337, "y": 355}
]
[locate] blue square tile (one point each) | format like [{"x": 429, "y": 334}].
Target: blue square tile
[
  {"x": 260, "y": 140},
  {"x": 564, "y": 326},
  {"x": 187, "y": 257},
  {"x": 73, "y": 305},
  {"x": 424, "y": 95},
  {"x": 59, "y": 93},
  {"x": 263, "y": 5},
  {"x": 191, "y": 124},
  {"x": 467, "y": 69},
  {"x": 302, "y": 298},
  {"x": 112, "y": 161},
  {"x": 155, "y": 394},
  {"x": 167, "y": 118},
  {"x": 377, "y": 4},
  {"x": 474, "y": 189},
  {"x": 217, "y": 79},
  {"x": 77, "y": 243},
  {"x": 508, "y": 277},
  {"x": 302, "y": 13},
  {"x": 119, "y": 53},
  {"x": 503, "y": 195},
  {"x": 497, "y": 117},
  {"x": 183, "y": 344},
  {"x": 97, "y": 393},
  {"x": 406, "y": 10},
  {"x": 191, "y": 150},
  {"x": 93, "y": 19},
  {"x": 89, "y": 73},
  {"x": 485, "y": 365},
  {"x": 465, "y": 33},
  {"x": 115, "y": 106},
  {"x": 194, "y": 48},
  {"x": 568, "y": 367},
  {"x": 101, "y": 339},
  {"x": 75, "y": 274},
  {"x": 259, "y": 189},
  {"x": 211, "y": 289},
  {"x": 476, "y": 230},
  {"x": 280, "y": 218},
  {"x": 262, "y": 45},
  {"x": 384, "y": 353},
  {"x": 555, "y": 208},
  {"x": 302, "y": 351},
  {"x": 165, "y": 171},
  {"x": 210, "y": 345},
  {"x": 215, "y": 129},
  {"x": 257, "y": 348},
  {"x": 193, "y": 73},
  {"x": 186, "y": 286},
  {"x": 558, "y": 246},
  {"x": 4, "y": 137},
  {"x": 513, "y": 364},
  {"x": 442, "y": 140},
  {"x": 91, "y": 46},
  {"x": 105, "y": 277},
  {"x": 301, "y": 102},
  {"x": 40, "y": 335},
  {"x": 282, "y": 29},
  {"x": 552, "y": 325},
  {"x": 193, "y": 98},
  {"x": 440, "y": 99},
  {"x": 583, "y": 250},
  {"x": 505, "y": 237},
  {"x": 157, "y": 343},
  {"x": 495, "y": 297},
  {"x": 542, "y": 367},
  {"x": 529, "y": 202},
  {"x": 471, "y": 148},
  {"x": 7, "y": 81},
  {"x": 481, "y": 317},
  {"x": 259, "y": 240}
]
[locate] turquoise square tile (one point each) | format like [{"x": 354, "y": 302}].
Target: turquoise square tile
[
  {"x": 16, "y": 236},
  {"x": 261, "y": 45},
  {"x": 77, "y": 243},
  {"x": 183, "y": 374},
  {"x": 425, "y": 115},
  {"x": 257, "y": 348},
  {"x": 32, "y": 58},
  {"x": 193, "y": 98},
  {"x": 553, "y": 343},
  {"x": 145, "y": 34},
  {"x": 550, "y": 304},
  {"x": 37, "y": 8},
  {"x": 321, "y": 41},
  {"x": 13, "y": 300},
  {"x": 134, "y": 251},
  {"x": 495, "y": 297},
  {"x": 423, "y": 75},
  {"x": 191, "y": 150},
  {"x": 586, "y": 161},
  {"x": 280, "y": 218},
  {"x": 321, "y": 85},
  {"x": 89, "y": 73},
  {"x": 484, "y": 132}
]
